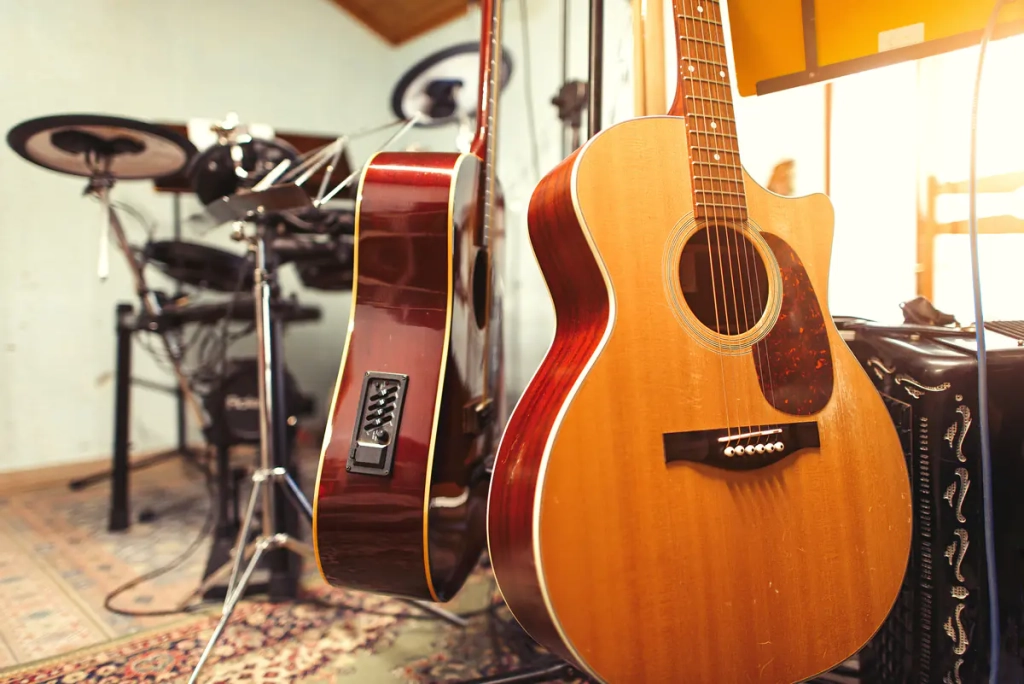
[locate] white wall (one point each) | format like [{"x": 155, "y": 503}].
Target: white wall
[{"x": 302, "y": 65}]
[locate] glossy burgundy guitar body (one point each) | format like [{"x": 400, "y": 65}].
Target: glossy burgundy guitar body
[{"x": 400, "y": 502}]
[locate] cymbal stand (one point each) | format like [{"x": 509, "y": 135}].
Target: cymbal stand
[
  {"x": 100, "y": 184},
  {"x": 273, "y": 453}
]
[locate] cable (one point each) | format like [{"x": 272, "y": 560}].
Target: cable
[
  {"x": 528, "y": 85},
  {"x": 489, "y": 609},
  {"x": 204, "y": 532},
  {"x": 979, "y": 329}
]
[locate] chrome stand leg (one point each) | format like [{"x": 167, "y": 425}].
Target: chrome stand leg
[
  {"x": 243, "y": 532},
  {"x": 269, "y": 475},
  {"x": 263, "y": 483},
  {"x": 229, "y": 606}
]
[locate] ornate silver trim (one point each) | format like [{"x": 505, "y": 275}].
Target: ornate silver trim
[
  {"x": 917, "y": 389},
  {"x": 952, "y": 550},
  {"x": 878, "y": 367},
  {"x": 951, "y": 433},
  {"x": 965, "y": 412},
  {"x": 959, "y": 637},
  {"x": 965, "y": 483}
]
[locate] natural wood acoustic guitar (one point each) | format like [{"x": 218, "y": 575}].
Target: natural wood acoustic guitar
[
  {"x": 401, "y": 491},
  {"x": 699, "y": 484}
]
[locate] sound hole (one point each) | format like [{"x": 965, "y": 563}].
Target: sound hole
[
  {"x": 724, "y": 280},
  {"x": 480, "y": 289}
]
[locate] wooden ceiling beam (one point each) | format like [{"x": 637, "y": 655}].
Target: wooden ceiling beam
[{"x": 398, "y": 21}]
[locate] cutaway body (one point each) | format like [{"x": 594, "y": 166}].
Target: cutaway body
[
  {"x": 622, "y": 533},
  {"x": 403, "y": 513}
]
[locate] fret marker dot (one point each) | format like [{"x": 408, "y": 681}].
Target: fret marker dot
[
  {"x": 700, "y": 8},
  {"x": 691, "y": 68},
  {"x": 717, "y": 157},
  {"x": 722, "y": 74},
  {"x": 714, "y": 125}
]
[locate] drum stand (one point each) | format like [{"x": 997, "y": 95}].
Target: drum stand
[
  {"x": 100, "y": 185},
  {"x": 272, "y": 481}
]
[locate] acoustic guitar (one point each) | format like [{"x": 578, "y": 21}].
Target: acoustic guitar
[
  {"x": 699, "y": 484},
  {"x": 400, "y": 499}
]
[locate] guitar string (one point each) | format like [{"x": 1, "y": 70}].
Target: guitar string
[
  {"x": 750, "y": 254},
  {"x": 708, "y": 102},
  {"x": 718, "y": 72},
  {"x": 685, "y": 51},
  {"x": 698, "y": 35}
]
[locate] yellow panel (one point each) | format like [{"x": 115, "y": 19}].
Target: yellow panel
[
  {"x": 768, "y": 37},
  {"x": 767, "y": 40},
  {"x": 845, "y": 34}
]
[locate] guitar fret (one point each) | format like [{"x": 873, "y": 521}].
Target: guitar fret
[
  {"x": 709, "y": 99},
  {"x": 721, "y": 204},
  {"x": 706, "y": 80},
  {"x": 720, "y": 192},
  {"x": 705, "y": 41},
  {"x": 716, "y": 178},
  {"x": 720, "y": 135},
  {"x": 701, "y": 60},
  {"x": 704, "y": 148},
  {"x": 718, "y": 164},
  {"x": 684, "y": 17}
]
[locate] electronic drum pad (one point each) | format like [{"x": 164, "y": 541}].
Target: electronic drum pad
[
  {"x": 444, "y": 86},
  {"x": 88, "y": 145}
]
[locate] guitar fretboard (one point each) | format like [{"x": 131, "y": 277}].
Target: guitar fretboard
[
  {"x": 491, "y": 145},
  {"x": 705, "y": 100}
]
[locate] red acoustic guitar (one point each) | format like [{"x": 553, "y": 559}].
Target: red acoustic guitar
[
  {"x": 700, "y": 483},
  {"x": 400, "y": 499}
]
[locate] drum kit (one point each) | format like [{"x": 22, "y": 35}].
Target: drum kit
[{"x": 281, "y": 202}]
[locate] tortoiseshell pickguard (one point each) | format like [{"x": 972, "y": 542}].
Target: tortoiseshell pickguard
[{"x": 794, "y": 361}]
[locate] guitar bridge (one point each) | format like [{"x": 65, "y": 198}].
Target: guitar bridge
[
  {"x": 745, "y": 448},
  {"x": 376, "y": 430}
]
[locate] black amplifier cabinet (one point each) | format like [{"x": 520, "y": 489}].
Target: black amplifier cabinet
[{"x": 938, "y": 630}]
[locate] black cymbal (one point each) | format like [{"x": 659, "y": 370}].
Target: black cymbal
[
  {"x": 93, "y": 144},
  {"x": 225, "y": 168},
  {"x": 201, "y": 265},
  {"x": 444, "y": 86}
]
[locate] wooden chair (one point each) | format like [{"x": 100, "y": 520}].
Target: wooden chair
[{"x": 929, "y": 226}]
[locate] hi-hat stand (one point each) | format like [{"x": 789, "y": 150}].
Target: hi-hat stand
[{"x": 256, "y": 215}]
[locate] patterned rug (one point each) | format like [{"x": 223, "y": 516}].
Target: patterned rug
[
  {"x": 333, "y": 637},
  {"x": 58, "y": 563}
]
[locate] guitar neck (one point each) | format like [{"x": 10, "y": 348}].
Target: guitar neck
[
  {"x": 704, "y": 99},
  {"x": 485, "y": 144}
]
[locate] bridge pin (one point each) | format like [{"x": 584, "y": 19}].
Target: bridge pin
[
  {"x": 750, "y": 450},
  {"x": 729, "y": 451},
  {"x": 759, "y": 448},
  {"x": 779, "y": 446},
  {"x": 769, "y": 447}
]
